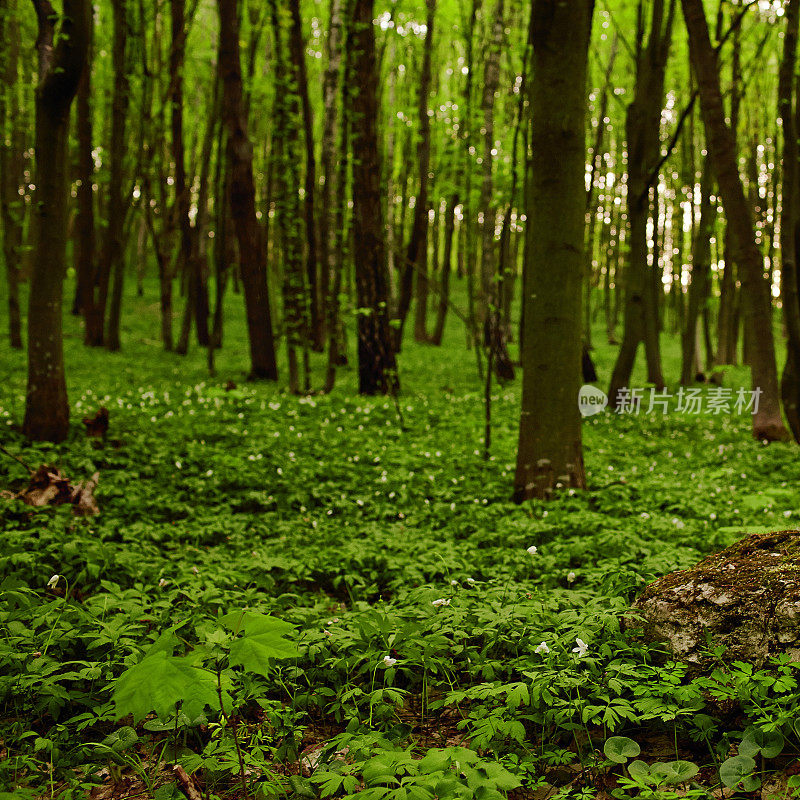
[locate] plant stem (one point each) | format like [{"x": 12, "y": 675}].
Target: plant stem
[{"x": 231, "y": 721}]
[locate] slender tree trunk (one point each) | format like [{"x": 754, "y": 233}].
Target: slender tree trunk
[
  {"x": 12, "y": 168},
  {"x": 416, "y": 261},
  {"x": 767, "y": 422},
  {"x": 642, "y": 128},
  {"x": 488, "y": 299},
  {"x": 296, "y": 290},
  {"x": 184, "y": 265},
  {"x": 591, "y": 205},
  {"x": 550, "y": 450},
  {"x": 328, "y": 250},
  {"x": 701, "y": 280},
  {"x": 60, "y": 67},
  {"x": 315, "y": 295},
  {"x": 790, "y": 217},
  {"x": 469, "y": 222},
  {"x": 85, "y": 234},
  {"x": 377, "y": 369},
  {"x": 446, "y": 269},
  {"x": 252, "y": 254},
  {"x": 117, "y": 202}
]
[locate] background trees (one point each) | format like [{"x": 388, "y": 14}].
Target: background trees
[{"x": 342, "y": 166}]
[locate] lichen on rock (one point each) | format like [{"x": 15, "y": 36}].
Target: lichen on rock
[{"x": 745, "y": 598}]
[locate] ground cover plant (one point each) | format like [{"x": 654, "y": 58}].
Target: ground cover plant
[
  {"x": 399, "y": 399},
  {"x": 334, "y": 595}
]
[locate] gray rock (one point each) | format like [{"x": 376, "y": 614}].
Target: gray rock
[{"x": 746, "y": 597}]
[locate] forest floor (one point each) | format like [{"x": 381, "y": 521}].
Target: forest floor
[{"x": 351, "y": 521}]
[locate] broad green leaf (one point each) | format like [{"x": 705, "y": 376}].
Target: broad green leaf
[
  {"x": 672, "y": 772},
  {"x": 620, "y": 748},
  {"x": 256, "y": 652},
  {"x": 737, "y": 772},
  {"x": 252, "y": 622},
  {"x": 769, "y": 743},
  {"x": 158, "y": 683},
  {"x": 121, "y": 739},
  {"x": 638, "y": 770}
]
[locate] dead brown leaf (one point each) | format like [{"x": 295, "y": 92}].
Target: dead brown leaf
[{"x": 50, "y": 487}]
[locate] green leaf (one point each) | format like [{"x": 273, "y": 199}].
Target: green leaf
[
  {"x": 158, "y": 683},
  {"x": 620, "y": 748},
  {"x": 252, "y": 622},
  {"x": 255, "y": 653},
  {"x": 262, "y": 640},
  {"x": 673, "y": 772},
  {"x": 769, "y": 743},
  {"x": 738, "y": 772},
  {"x": 638, "y": 770},
  {"x": 301, "y": 786},
  {"x": 122, "y": 739}
]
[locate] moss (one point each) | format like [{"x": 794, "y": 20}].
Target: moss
[{"x": 741, "y": 568}]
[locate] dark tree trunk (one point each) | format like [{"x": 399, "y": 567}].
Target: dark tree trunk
[
  {"x": 445, "y": 270},
  {"x": 315, "y": 296},
  {"x": 85, "y": 234},
  {"x": 790, "y": 382},
  {"x": 117, "y": 201},
  {"x": 642, "y": 128},
  {"x": 767, "y": 422},
  {"x": 12, "y": 168},
  {"x": 242, "y": 195},
  {"x": 60, "y": 69},
  {"x": 286, "y": 157},
  {"x": 550, "y": 451},
  {"x": 184, "y": 265},
  {"x": 331, "y": 190},
  {"x": 377, "y": 369},
  {"x": 416, "y": 260},
  {"x": 700, "y": 283}
]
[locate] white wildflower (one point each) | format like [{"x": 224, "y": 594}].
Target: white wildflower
[
  {"x": 51, "y": 584},
  {"x": 542, "y": 649},
  {"x": 533, "y": 550},
  {"x": 582, "y": 649},
  {"x": 440, "y": 602},
  {"x": 389, "y": 661}
]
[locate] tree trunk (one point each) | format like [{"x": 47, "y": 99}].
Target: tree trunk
[
  {"x": 790, "y": 216},
  {"x": 642, "y": 129},
  {"x": 488, "y": 298},
  {"x": 12, "y": 168},
  {"x": 85, "y": 233},
  {"x": 252, "y": 254},
  {"x": 117, "y": 201},
  {"x": 184, "y": 265},
  {"x": 287, "y": 211},
  {"x": 60, "y": 69},
  {"x": 328, "y": 250},
  {"x": 377, "y": 369},
  {"x": 701, "y": 278},
  {"x": 550, "y": 450},
  {"x": 445, "y": 269},
  {"x": 316, "y": 332},
  {"x": 416, "y": 261},
  {"x": 767, "y": 422}
]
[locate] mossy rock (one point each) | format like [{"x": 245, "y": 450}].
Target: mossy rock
[{"x": 746, "y": 598}]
